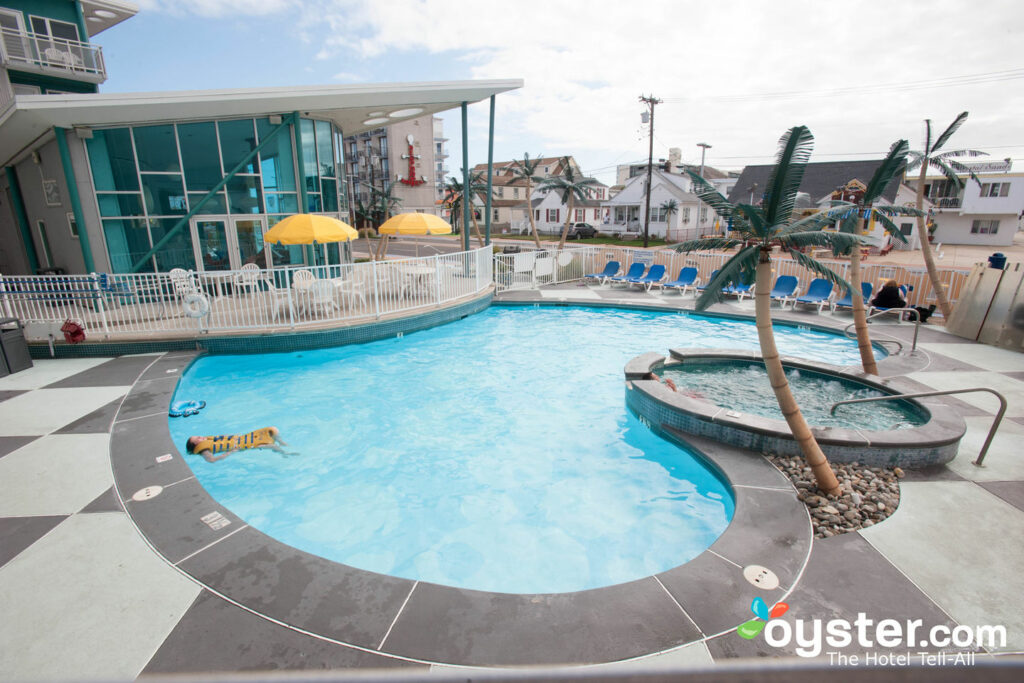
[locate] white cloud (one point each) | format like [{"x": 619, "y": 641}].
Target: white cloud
[{"x": 217, "y": 8}]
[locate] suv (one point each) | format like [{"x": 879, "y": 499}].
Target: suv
[{"x": 581, "y": 230}]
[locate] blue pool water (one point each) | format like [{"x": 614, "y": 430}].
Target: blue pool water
[{"x": 494, "y": 453}]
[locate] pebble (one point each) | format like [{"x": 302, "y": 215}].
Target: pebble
[{"x": 868, "y": 495}]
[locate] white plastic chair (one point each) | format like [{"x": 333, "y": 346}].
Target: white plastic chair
[
  {"x": 277, "y": 299},
  {"x": 321, "y": 297},
  {"x": 248, "y": 277}
]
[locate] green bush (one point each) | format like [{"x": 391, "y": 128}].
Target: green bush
[
  {"x": 495, "y": 249},
  {"x": 367, "y": 232}
]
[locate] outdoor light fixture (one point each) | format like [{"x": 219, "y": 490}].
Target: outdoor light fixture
[
  {"x": 374, "y": 122},
  {"x": 104, "y": 14},
  {"x": 275, "y": 119},
  {"x": 401, "y": 113}
]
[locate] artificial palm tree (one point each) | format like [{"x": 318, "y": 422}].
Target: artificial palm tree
[
  {"x": 385, "y": 202},
  {"x": 760, "y": 228},
  {"x": 455, "y": 197},
  {"x": 950, "y": 168},
  {"x": 571, "y": 185},
  {"x": 364, "y": 213},
  {"x": 525, "y": 169},
  {"x": 669, "y": 207},
  {"x": 854, "y": 222}
]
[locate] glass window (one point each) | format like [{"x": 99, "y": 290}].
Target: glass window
[
  {"x": 384, "y": 146},
  {"x": 245, "y": 195},
  {"x": 237, "y": 139},
  {"x": 112, "y": 205},
  {"x": 215, "y": 205},
  {"x": 112, "y": 160},
  {"x": 284, "y": 255},
  {"x": 177, "y": 252},
  {"x": 127, "y": 242},
  {"x": 308, "y": 154},
  {"x": 330, "y": 194},
  {"x": 199, "y": 155},
  {"x": 165, "y": 195},
  {"x": 284, "y": 203},
  {"x": 57, "y": 29},
  {"x": 276, "y": 161},
  {"x": 324, "y": 149},
  {"x": 315, "y": 205},
  {"x": 156, "y": 148}
]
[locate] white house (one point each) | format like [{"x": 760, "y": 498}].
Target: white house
[
  {"x": 986, "y": 214},
  {"x": 549, "y": 212},
  {"x": 626, "y": 209}
]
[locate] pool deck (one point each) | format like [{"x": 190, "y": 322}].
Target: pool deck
[{"x": 84, "y": 595}]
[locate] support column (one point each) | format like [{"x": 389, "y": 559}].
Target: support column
[
  {"x": 467, "y": 200},
  {"x": 300, "y": 160},
  {"x": 490, "y": 171},
  {"x": 22, "y": 217},
  {"x": 76, "y": 204}
]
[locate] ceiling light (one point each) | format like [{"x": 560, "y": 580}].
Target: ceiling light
[
  {"x": 412, "y": 111},
  {"x": 376, "y": 113},
  {"x": 374, "y": 122},
  {"x": 105, "y": 14}
]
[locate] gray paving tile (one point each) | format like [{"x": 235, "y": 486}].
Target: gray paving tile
[
  {"x": 18, "y": 533},
  {"x": 302, "y": 590},
  {"x": 148, "y": 398},
  {"x": 4, "y": 395},
  {"x": 458, "y": 626},
  {"x": 105, "y": 502},
  {"x": 844, "y": 577},
  {"x": 1015, "y": 375},
  {"x": 9, "y": 444},
  {"x": 933, "y": 473},
  {"x": 96, "y": 422},
  {"x": 1010, "y": 491},
  {"x": 116, "y": 372},
  {"x": 170, "y": 366},
  {"x": 941, "y": 362},
  {"x": 216, "y": 636},
  {"x": 136, "y": 446},
  {"x": 745, "y": 468}
]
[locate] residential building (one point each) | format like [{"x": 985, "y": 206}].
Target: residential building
[
  {"x": 401, "y": 155},
  {"x": 986, "y": 213},
  {"x": 722, "y": 180},
  {"x": 131, "y": 182},
  {"x": 440, "y": 156},
  {"x": 626, "y": 210},
  {"x": 550, "y": 212}
]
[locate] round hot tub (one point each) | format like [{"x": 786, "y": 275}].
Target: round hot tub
[{"x": 725, "y": 395}]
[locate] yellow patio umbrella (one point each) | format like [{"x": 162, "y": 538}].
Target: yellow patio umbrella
[
  {"x": 413, "y": 224},
  {"x": 305, "y": 228}
]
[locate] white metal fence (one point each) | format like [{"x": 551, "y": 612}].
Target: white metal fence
[
  {"x": 169, "y": 304},
  {"x": 52, "y": 55},
  {"x": 531, "y": 269}
]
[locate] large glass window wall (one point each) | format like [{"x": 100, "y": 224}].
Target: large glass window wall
[{"x": 148, "y": 177}]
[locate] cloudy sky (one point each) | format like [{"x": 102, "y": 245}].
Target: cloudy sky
[{"x": 733, "y": 74}]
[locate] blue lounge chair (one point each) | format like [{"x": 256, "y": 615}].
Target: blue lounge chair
[
  {"x": 847, "y": 300},
  {"x": 701, "y": 288},
  {"x": 819, "y": 293},
  {"x": 687, "y": 280},
  {"x": 611, "y": 269},
  {"x": 740, "y": 290},
  {"x": 655, "y": 275},
  {"x": 904, "y": 291},
  {"x": 784, "y": 289},
  {"x": 636, "y": 270}
]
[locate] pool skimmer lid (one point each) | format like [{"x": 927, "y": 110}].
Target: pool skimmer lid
[
  {"x": 762, "y": 577},
  {"x": 147, "y": 493}
]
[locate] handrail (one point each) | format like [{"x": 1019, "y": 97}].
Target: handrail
[
  {"x": 946, "y": 392},
  {"x": 901, "y": 311}
]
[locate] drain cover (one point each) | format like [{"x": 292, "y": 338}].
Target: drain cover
[
  {"x": 147, "y": 493},
  {"x": 762, "y": 577}
]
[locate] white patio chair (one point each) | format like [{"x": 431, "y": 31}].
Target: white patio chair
[
  {"x": 277, "y": 299},
  {"x": 321, "y": 298},
  {"x": 248, "y": 278}
]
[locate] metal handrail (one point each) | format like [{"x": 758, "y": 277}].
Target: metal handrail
[
  {"x": 947, "y": 392},
  {"x": 901, "y": 311}
]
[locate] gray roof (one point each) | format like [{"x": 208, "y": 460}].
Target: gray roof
[{"x": 820, "y": 179}]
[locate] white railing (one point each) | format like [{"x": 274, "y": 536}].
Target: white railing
[
  {"x": 529, "y": 269},
  {"x": 155, "y": 305},
  {"x": 55, "y": 56}
]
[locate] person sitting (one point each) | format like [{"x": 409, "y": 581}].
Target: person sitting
[
  {"x": 215, "y": 448},
  {"x": 668, "y": 381},
  {"x": 889, "y": 296}
]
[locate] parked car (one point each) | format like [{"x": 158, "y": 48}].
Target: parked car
[{"x": 581, "y": 231}]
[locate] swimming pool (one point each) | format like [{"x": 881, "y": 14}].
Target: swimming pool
[{"x": 494, "y": 453}]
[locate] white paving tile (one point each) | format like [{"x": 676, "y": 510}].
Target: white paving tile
[
  {"x": 88, "y": 601},
  {"x": 981, "y": 355},
  {"x": 579, "y": 293},
  {"x": 961, "y": 545},
  {"x": 1012, "y": 389},
  {"x": 694, "y": 655},
  {"x": 1005, "y": 458},
  {"x": 47, "y": 371},
  {"x": 46, "y": 410},
  {"x": 55, "y": 475}
]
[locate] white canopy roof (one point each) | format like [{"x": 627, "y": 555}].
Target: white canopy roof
[{"x": 353, "y": 108}]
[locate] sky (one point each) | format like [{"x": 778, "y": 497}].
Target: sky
[{"x": 735, "y": 75}]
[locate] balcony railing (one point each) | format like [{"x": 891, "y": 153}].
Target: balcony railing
[
  {"x": 947, "y": 202},
  {"x": 51, "y": 56}
]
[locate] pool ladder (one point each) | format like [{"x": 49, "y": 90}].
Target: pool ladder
[
  {"x": 916, "y": 320},
  {"x": 946, "y": 392}
]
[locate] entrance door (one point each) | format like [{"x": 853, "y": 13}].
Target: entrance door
[
  {"x": 227, "y": 243},
  {"x": 249, "y": 245}
]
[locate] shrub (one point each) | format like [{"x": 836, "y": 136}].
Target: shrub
[{"x": 367, "y": 232}]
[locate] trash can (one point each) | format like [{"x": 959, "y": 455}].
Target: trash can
[
  {"x": 13, "y": 347},
  {"x": 997, "y": 260}
]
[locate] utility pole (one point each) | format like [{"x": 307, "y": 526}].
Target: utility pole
[
  {"x": 650, "y": 101},
  {"x": 704, "y": 148}
]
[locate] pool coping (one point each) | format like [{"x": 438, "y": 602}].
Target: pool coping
[
  {"x": 430, "y": 623},
  {"x": 933, "y": 443}
]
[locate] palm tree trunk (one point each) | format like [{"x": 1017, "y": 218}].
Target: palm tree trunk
[
  {"x": 823, "y": 474},
  {"x": 926, "y": 248},
  {"x": 529, "y": 212},
  {"x": 565, "y": 229},
  {"x": 860, "y": 318},
  {"x": 476, "y": 229}
]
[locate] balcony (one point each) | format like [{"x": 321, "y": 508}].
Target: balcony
[{"x": 49, "y": 56}]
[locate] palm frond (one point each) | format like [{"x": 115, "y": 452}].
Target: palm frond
[
  {"x": 946, "y": 168},
  {"x": 710, "y": 196},
  {"x": 840, "y": 242},
  {"x": 893, "y": 163},
  {"x": 897, "y": 210},
  {"x": 889, "y": 226},
  {"x": 948, "y": 133},
  {"x": 960, "y": 167},
  {"x": 914, "y": 160},
  {"x": 707, "y": 244},
  {"x": 821, "y": 269},
  {"x": 795, "y": 148},
  {"x": 961, "y": 153},
  {"x": 849, "y": 223},
  {"x": 751, "y": 221},
  {"x": 737, "y": 269},
  {"x": 819, "y": 219}
]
